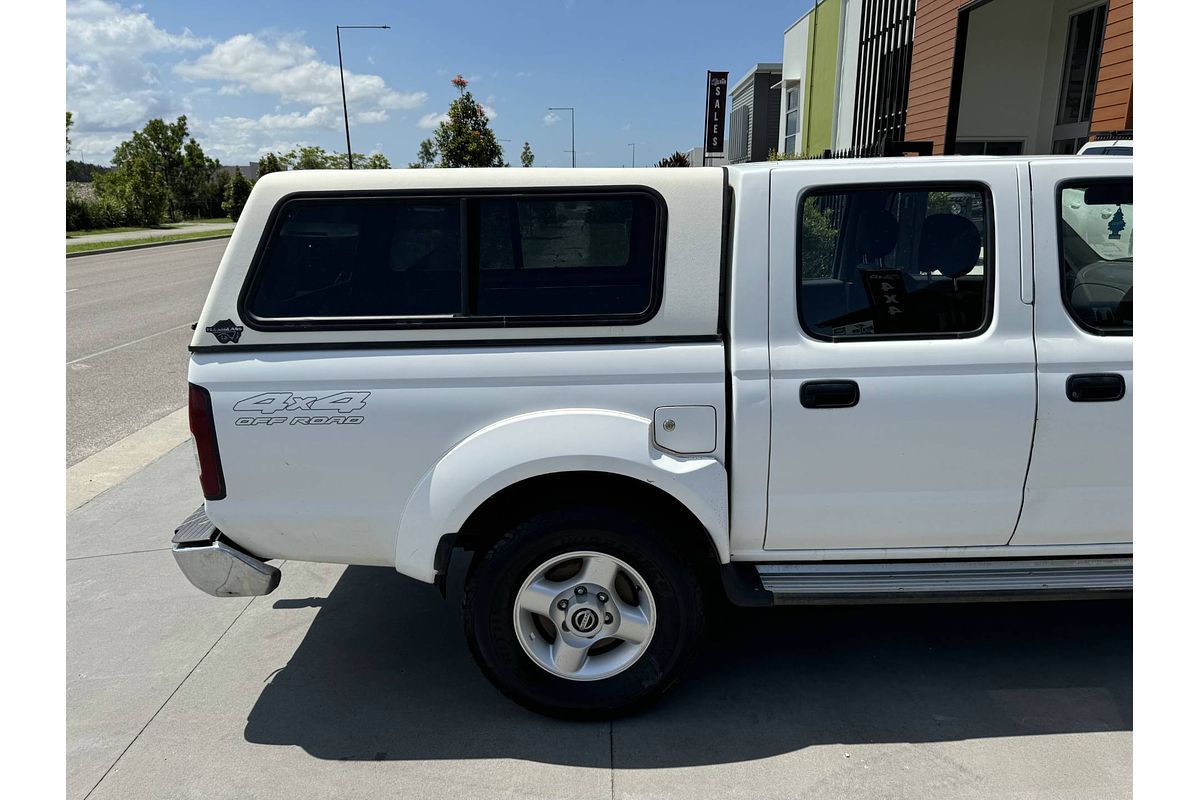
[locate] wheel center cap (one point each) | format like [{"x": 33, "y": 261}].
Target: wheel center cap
[{"x": 585, "y": 620}]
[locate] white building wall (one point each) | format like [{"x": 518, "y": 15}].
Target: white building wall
[{"x": 795, "y": 73}]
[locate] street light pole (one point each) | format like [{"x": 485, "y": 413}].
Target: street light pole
[
  {"x": 572, "y": 110},
  {"x": 634, "y": 156},
  {"x": 342, "y": 75}
]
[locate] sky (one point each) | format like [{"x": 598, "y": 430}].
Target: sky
[{"x": 254, "y": 76}]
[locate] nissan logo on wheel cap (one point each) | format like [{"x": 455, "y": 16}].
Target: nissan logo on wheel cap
[{"x": 585, "y": 620}]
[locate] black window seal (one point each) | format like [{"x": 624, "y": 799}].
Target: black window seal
[
  {"x": 916, "y": 186},
  {"x": 460, "y": 344},
  {"x": 310, "y": 324},
  {"x": 1078, "y": 183}
]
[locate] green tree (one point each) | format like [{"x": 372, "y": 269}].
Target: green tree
[
  {"x": 526, "y": 156},
  {"x": 269, "y": 163},
  {"x": 310, "y": 157},
  {"x": 464, "y": 138},
  {"x": 426, "y": 155},
  {"x": 198, "y": 192},
  {"x": 676, "y": 159},
  {"x": 373, "y": 161},
  {"x": 82, "y": 172},
  {"x": 316, "y": 157},
  {"x": 236, "y": 194},
  {"x": 70, "y": 122},
  {"x": 160, "y": 145},
  {"x": 136, "y": 188},
  {"x": 818, "y": 240}
]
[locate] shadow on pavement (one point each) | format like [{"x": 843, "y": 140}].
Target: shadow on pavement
[{"x": 384, "y": 673}]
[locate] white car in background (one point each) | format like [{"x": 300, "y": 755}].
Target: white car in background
[{"x": 1114, "y": 147}]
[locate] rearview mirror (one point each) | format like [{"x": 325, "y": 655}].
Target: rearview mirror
[{"x": 1109, "y": 194}]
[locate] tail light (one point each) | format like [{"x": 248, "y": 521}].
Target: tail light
[{"x": 204, "y": 432}]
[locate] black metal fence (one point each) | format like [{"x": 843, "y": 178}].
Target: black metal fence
[
  {"x": 884, "y": 64},
  {"x": 1110, "y": 136},
  {"x": 884, "y": 149}
]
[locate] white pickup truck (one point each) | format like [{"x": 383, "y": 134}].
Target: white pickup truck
[{"x": 626, "y": 393}]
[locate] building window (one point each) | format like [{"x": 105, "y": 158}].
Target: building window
[
  {"x": 910, "y": 262},
  {"x": 739, "y": 134},
  {"x": 989, "y": 148},
  {"x": 1081, "y": 68},
  {"x": 791, "y": 121},
  {"x": 482, "y": 260},
  {"x": 1095, "y": 245}
]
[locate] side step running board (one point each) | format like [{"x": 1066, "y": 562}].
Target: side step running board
[{"x": 929, "y": 581}]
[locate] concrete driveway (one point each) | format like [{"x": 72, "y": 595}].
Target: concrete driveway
[{"x": 356, "y": 682}]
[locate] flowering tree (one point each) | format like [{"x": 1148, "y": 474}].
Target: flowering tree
[{"x": 463, "y": 138}]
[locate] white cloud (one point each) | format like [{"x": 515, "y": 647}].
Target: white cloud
[
  {"x": 94, "y": 148},
  {"x": 291, "y": 70},
  {"x": 112, "y": 82},
  {"x": 430, "y": 121},
  {"x": 124, "y": 69},
  {"x": 319, "y": 117},
  {"x": 551, "y": 119},
  {"x": 99, "y": 30},
  {"x": 370, "y": 117}
]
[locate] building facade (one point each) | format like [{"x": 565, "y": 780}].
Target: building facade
[
  {"x": 845, "y": 76},
  {"x": 1020, "y": 76},
  {"x": 809, "y": 85},
  {"x": 956, "y": 76},
  {"x": 754, "y": 114}
]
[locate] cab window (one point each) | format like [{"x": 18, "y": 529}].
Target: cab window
[{"x": 1095, "y": 245}]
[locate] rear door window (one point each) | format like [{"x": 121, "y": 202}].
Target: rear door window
[{"x": 905, "y": 261}]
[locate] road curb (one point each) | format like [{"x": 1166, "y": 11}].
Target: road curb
[
  {"x": 114, "y": 464},
  {"x": 102, "y": 251}
]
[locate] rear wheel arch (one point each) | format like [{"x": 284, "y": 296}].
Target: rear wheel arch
[
  {"x": 590, "y": 454},
  {"x": 526, "y": 498}
]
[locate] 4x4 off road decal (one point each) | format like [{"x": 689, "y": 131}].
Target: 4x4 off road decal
[
  {"x": 286, "y": 408},
  {"x": 225, "y": 331}
]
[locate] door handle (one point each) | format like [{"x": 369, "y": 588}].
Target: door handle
[
  {"x": 1095, "y": 388},
  {"x": 829, "y": 394}
]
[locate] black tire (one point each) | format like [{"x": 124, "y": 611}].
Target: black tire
[{"x": 498, "y": 574}]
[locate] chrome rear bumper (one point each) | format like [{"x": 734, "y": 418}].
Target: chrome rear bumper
[{"x": 216, "y": 566}]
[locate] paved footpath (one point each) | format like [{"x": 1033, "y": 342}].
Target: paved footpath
[
  {"x": 180, "y": 227},
  {"x": 356, "y": 683}
]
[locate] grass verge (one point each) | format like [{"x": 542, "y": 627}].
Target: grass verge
[
  {"x": 170, "y": 226},
  {"x": 177, "y": 237}
]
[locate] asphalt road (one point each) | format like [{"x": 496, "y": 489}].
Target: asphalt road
[{"x": 129, "y": 318}]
